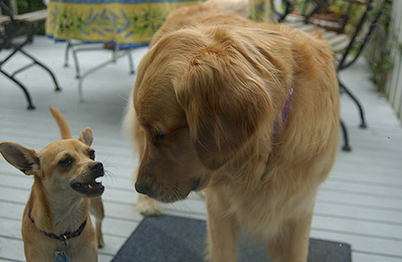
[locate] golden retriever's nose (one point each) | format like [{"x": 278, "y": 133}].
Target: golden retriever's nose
[{"x": 143, "y": 189}]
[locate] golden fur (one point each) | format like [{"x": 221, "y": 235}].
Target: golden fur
[{"x": 205, "y": 102}]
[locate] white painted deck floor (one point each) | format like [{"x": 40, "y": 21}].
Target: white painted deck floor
[{"x": 359, "y": 204}]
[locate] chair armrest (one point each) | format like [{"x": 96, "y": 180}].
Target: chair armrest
[
  {"x": 28, "y": 17},
  {"x": 32, "y": 17}
]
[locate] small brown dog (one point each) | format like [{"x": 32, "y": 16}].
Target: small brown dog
[
  {"x": 56, "y": 221},
  {"x": 248, "y": 111}
]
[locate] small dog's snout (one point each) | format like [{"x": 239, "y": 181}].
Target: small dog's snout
[
  {"x": 96, "y": 167},
  {"x": 143, "y": 189}
]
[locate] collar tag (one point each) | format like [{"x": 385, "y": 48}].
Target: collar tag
[{"x": 60, "y": 257}]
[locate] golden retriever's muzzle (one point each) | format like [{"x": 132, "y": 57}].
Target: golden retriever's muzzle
[
  {"x": 147, "y": 190},
  {"x": 167, "y": 185},
  {"x": 169, "y": 169},
  {"x": 166, "y": 193}
]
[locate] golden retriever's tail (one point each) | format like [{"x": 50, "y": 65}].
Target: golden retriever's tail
[
  {"x": 129, "y": 119},
  {"x": 61, "y": 121},
  {"x": 241, "y": 7}
]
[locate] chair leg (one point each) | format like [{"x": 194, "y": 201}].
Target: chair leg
[
  {"x": 68, "y": 46},
  {"x": 131, "y": 63},
  {"x": 27, "y": 95},
  {"x": 363, "y": 122},
  {"x": 71, "y": 47},
  {"x": 77, "y": 66},
  {"x": 346, "y": 146},
  {"x": 57, "y": 88}
]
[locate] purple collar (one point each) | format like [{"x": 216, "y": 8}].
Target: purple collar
[
  {"x": 64, "y": 237},
  {"x": 284, "y": 112}
]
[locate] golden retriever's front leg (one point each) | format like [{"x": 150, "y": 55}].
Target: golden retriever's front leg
[
  {"x": 292, "y": 243},
  {"x": 148, "y": 206},
  {"x": 223, "y": 234}
]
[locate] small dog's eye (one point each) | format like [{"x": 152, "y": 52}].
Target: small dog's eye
[
  {"x": 91, "y": 154},
  {"x": 65, "y": 162}
]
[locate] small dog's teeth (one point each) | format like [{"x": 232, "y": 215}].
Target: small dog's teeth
[{"x": 89, "y": 185}]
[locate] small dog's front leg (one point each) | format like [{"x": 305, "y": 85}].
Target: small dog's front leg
[{"x": 96, "y": 208}]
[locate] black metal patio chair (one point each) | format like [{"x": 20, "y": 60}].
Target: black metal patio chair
[
  {"x": 347, "y": 47},
  {"x": 12, "y": 28}
]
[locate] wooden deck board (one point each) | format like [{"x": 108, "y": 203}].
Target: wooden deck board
[{"x": 360, "y": 203}]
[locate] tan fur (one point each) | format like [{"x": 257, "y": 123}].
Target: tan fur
[
  {"x": 205, "y": 102},
  {"x": 55, "y": 206}
]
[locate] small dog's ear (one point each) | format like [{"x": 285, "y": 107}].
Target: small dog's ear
[
  {"x": 20, "y": 157},
  {"x": 225, "y": 105},
  {"x": 86, "y": 136}
]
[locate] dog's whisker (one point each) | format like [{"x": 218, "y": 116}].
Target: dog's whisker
[
  {"x": 109, "y": 174},
  {"x": 107, "y": 157},
  {"x": 124, "y": 98}
]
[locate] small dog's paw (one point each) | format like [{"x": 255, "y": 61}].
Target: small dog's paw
[
  {"x": 100, "y": 240},
  {"x": 148, "y": 206}
]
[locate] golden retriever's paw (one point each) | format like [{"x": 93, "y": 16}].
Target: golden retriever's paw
[
  {"x": 202, "y": 194},
  {"x": 148, "y": 206}
]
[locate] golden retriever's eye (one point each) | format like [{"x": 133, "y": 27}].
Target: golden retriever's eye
[
  {"x": 160, "y": 137},
  {"x": 91, "y": 154},
  {"x": 65, "y": 162}
]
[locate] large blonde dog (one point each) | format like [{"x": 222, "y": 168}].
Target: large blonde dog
[{"x": 247, "y": 111}]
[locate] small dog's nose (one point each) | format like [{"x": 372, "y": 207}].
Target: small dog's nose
[
  {"x": 143, "y": 189},
  {"x": 96, "y": 167}
]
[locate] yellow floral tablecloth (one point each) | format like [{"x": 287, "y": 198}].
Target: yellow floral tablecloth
[{"x": 128, "y": 23}]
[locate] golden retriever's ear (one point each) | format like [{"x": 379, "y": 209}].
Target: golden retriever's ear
[{"x": 225, "y": 103}]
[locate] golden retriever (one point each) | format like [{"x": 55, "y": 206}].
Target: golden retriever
[{"x": 247, "y": 111}]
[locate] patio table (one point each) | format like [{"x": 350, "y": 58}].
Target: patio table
[{"x": 126, "y": 23}]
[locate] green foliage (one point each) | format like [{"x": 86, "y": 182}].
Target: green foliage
[
  {"x": 378, "y": 51},
  {"x": 23, "y": 5}
]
